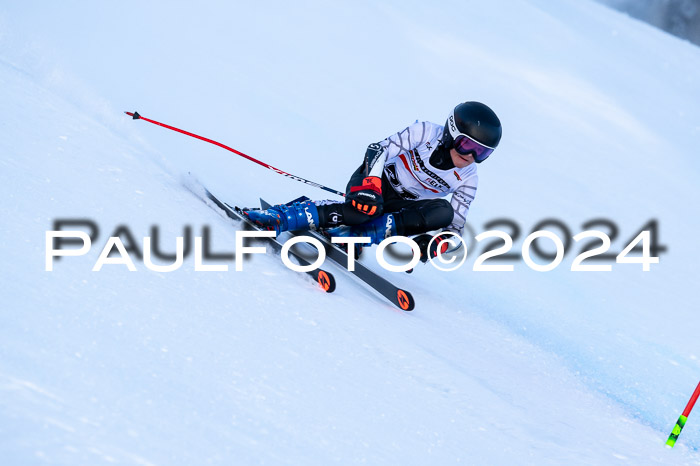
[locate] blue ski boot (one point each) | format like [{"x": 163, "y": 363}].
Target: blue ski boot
[
  {"x": 376, "y": 230},
  {"x": 283, "y": 217}
]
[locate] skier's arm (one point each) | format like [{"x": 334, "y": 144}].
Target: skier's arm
[
  {"x": 356, "y": 178},
  {"x": 378, "y": 153},
  {"x": 372, "y": 165},
  {"x": 461, "y": 201},
  {"x": 364, "y": 191},
  {"x": 407, "y": 139},
  {"x": 367, "y": 179}
]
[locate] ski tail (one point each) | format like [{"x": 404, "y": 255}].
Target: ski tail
[
  {"x": 403, "y": 299},
  {"x": 325, "y": 279}
]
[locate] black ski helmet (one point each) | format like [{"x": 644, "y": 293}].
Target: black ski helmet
[{"x": 476, "y": 121}]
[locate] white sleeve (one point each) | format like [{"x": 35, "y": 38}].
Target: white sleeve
[{"x": 403, "y": 141}]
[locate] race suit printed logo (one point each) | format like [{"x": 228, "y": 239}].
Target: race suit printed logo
[{"x": 440, "y": 182}]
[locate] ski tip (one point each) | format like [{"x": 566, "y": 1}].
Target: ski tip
[
  {"x": 134, "y": 115},
  {"x": 326, "y": 280},
  {"x": 405, "y": 300}
]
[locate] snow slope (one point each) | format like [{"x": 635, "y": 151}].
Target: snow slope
[{"x": 260, "y": 367}]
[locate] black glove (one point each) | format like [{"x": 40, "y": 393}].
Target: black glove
[
  {"x": 439, "y": 244},
  {"x": 367, "y": 198}
]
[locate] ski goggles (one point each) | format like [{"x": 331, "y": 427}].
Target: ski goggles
[{"x": 464, "y": 145}]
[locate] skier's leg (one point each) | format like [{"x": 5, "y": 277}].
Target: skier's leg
[
  {"x": 416, "y": 217},
  {"x": 338, "y": 213},
  {"x": 308, "y": 215},
  {"x": 400, "y": 216},
  {"x": 284, "y": 217},
  {"x": 412, "y": 218}
]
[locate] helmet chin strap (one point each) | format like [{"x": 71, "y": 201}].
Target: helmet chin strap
[{"x": 440, "y": 158}]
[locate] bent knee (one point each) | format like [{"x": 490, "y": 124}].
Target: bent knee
[{"x": 439, "y": 214}]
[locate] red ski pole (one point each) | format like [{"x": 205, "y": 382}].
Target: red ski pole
[
  {"x": 136, "y": 116},
  {"x": 684, "y": 417}
]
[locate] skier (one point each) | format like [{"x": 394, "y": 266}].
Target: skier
[{"x": 396, "y": 189}]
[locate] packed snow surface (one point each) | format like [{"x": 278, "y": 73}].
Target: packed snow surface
[{"x": 601, "y": 121}]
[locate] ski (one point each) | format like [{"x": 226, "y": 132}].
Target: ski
[
  {"x": 324, "y": 278},
  {"x": 398, "y": 296}
]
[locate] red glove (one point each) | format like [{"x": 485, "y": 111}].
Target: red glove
[{"x": 367, "y": 198}]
